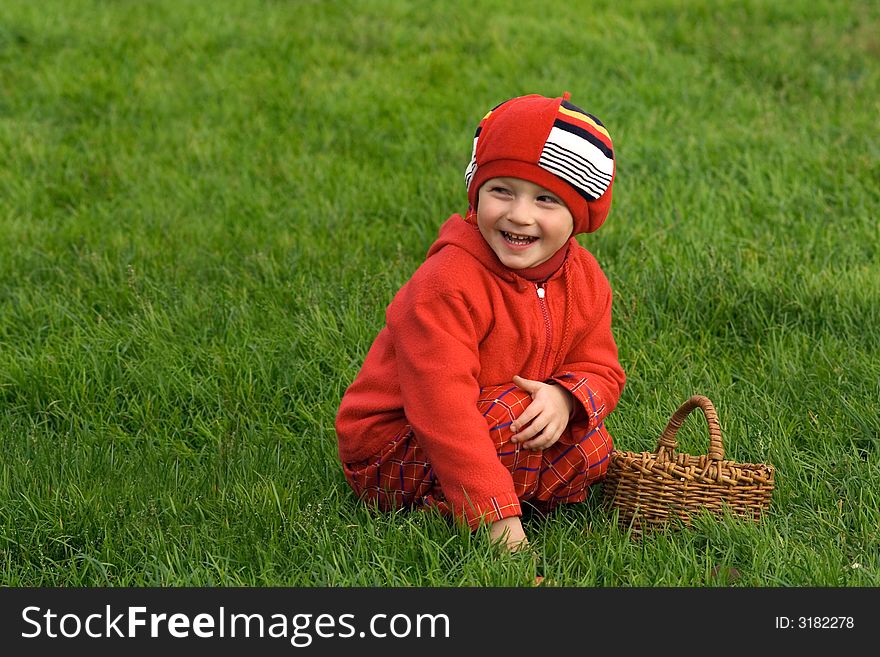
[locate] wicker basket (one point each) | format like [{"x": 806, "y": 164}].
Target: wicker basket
[{"x": 651, "y": 488}]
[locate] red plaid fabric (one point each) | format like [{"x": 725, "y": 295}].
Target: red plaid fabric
[{"x": 401, "y": 476}]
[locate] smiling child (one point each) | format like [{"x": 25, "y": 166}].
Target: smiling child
[{"x": 490, "y": 383}]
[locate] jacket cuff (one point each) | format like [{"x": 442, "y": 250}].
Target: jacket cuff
[
  {"x": 589, "y": 409},
  {"x": 495, "y": 508}
]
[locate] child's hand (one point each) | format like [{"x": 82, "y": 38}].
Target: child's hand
[
  {"x": 543, "y": 422},
  {"x": 509, "y": 531}
]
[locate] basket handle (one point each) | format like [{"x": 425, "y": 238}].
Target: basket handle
[{"x": 667, "y": 443}]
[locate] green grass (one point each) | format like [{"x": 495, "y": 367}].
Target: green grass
[{"x": 205, "y": 208}]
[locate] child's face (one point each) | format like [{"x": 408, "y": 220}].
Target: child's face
[{"x": 524, "y": 223}]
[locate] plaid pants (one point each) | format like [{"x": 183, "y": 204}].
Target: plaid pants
[{"x": 401, "y": 476}]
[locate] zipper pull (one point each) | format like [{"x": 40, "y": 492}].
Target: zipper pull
[{"x": 541, "y": 291}]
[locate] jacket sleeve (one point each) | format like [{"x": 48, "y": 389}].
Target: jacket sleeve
[
  {"x": 436, "y": 346},
  {"x": 591, "y": 370}
]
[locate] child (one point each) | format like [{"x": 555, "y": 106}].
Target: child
[{"x": 490, "y": 383}]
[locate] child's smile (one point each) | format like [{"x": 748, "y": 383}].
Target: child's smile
[
  {"x": 518, "y": 240},
  {"x": 522, "y": 222}
]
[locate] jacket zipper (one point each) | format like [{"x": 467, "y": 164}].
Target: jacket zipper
[{"x": 548, "y": 328}]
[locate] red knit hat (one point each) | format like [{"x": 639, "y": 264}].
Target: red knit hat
[{"x": 552, "y": 143}]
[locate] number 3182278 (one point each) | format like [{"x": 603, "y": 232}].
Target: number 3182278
[{"x": 816, "y": 622}]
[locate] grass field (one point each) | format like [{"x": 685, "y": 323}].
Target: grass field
[{"x": 205, "y": 208}]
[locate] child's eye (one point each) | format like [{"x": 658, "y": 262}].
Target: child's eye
[
  {"x": 497, "y": 189},
  {"x": 544, "y": 198}
]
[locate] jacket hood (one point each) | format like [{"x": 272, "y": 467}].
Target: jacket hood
[{"x": 458, "y": 233}]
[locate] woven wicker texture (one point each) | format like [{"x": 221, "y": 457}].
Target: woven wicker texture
[{"x": 651, "y": 488}]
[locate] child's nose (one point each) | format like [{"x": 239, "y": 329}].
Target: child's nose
[{"x": 520, "y": 212}]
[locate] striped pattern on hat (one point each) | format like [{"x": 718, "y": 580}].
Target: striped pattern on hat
[
  {"x": 472, "y": 165},
  {"x": 574, "y": 152}
]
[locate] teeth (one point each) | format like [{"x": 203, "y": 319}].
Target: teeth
[{"x": 518, "y": 239}]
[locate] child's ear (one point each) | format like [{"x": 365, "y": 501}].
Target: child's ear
[{"x": 471, "y": 215}]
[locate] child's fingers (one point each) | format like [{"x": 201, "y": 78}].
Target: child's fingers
[
  {"x": 522, "y": 423},
  {"x": 543, "y": 441},
  {"x": 527, "y": 433},
  {"x": 543, "y": 438},
  {"x": 529, "y": 385}
]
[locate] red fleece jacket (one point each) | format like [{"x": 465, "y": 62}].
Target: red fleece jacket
[{"x": 464, "y": 321}]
